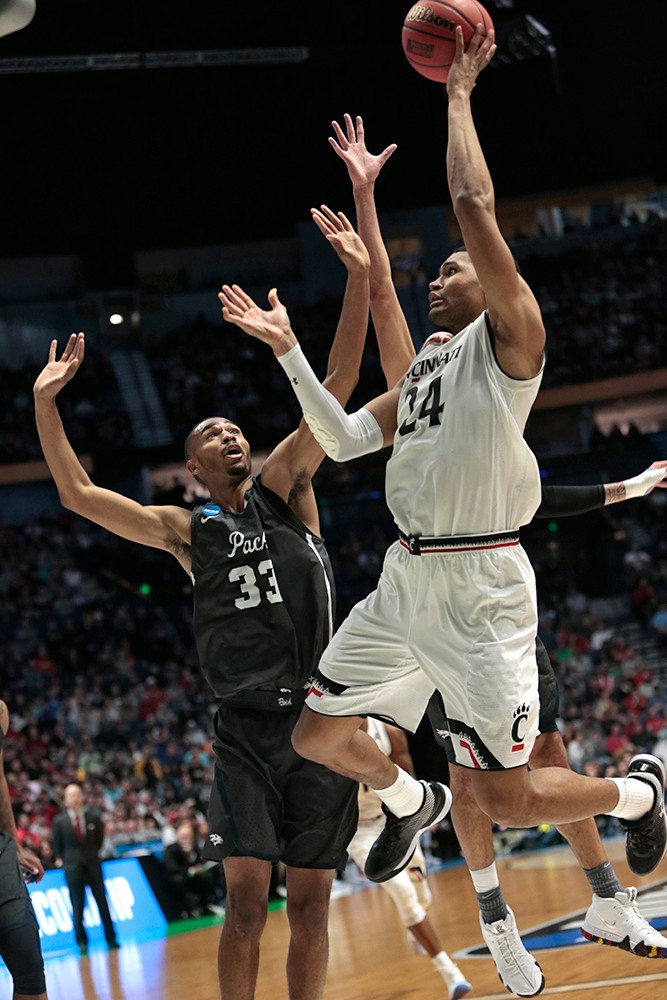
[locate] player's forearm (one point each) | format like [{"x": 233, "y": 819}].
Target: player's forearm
[
  {"x": 7, "y": 823},
  {"x": 368, "y": 225},
  {"x": 468, "y": 177},
  {"x": 69, "y": 475},
  {"x": 566, "y": 501},
  {"x": 391, "y": 329},
  {"x": 340, "y": 435},
  {"x": 348, "y": 345}
]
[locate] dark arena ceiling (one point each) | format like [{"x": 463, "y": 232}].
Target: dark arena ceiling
[{"x": 155, "y": 123}]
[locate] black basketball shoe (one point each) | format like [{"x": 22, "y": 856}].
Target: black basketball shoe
[
  {"x": 393, "y": 849},
  {"x": 646, "y": 839}
]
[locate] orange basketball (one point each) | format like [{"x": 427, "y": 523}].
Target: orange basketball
[{"x": 429, "y": 39}]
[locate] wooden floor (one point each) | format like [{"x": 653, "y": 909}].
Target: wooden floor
[{"x": 370, "y": 957}]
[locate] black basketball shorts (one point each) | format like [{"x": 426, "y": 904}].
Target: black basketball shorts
[
  {"x": 268, "y": 802},
  {"x": 19, "y": 933}
]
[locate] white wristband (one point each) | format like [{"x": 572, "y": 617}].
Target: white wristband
[
  {"x": 642, "y": 484},
  {"x": 341, "y": 435}
]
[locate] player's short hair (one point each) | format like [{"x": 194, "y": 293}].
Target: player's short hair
[{"x": 462, "y": 248}]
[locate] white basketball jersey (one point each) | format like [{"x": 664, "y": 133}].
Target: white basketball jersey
[
  {"x": 370, "y": 806},
  {"x": 460, "y": 465}
]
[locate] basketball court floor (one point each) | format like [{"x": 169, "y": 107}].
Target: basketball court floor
[{"x": 370, "y": 956}]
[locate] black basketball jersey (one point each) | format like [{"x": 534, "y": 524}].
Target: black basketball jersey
[
  {"x": 4, "y": 834},
  {"x": 263, "y": 600}
]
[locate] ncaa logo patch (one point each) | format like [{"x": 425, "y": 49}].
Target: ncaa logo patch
[{"x": 210, "y": 510}]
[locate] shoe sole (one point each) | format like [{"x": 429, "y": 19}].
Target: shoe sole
[
  {"x": 535, "y": 994},
  {"x": 462, "y": 990},
  {"x": 649, "y": 758},
  {"x": 415, "y": 840},
  {"x": 642, "y": 950}
]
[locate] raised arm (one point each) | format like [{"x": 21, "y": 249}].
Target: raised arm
[
  {"x": 340, "y": 435},
  {"x": 391, "y": 329},
  {"x": 513, "y": 311},
  {"x": 347, "y": 348},
  {"x": 566, "y": 501},
  {"x": 165, "y": 528}
]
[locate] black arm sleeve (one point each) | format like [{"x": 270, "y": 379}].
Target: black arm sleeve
[{"x": 564, "y": 501}]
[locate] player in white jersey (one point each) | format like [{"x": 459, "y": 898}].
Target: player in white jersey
[
  {"x": 409, "y": 889},
  {"x": 455, "y": 604}
]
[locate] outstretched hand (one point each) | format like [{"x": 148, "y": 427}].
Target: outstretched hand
[
  {"x": 362, "y": 166},
  {"x": 58, "y": 373},
  {"x": 339, "y": 231},
  {"x": 272, "y": 326},
  {"x": 469, "y": 62}
]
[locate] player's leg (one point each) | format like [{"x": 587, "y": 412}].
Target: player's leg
[
  {"x": 340, "y": 745},
  {"x": 517, "y": 969},
  {"x": 367, "y": 669},
  {"x": 319, "y": 818},
  {"x": 245, "y": 815},
  {"x": 246, "y": 908},
  {"x": 308, "y": 892},
  {"x": 405, "y": 894},
  {"x": 19, "y": 933},
  {"x": 613, "y": 917}
]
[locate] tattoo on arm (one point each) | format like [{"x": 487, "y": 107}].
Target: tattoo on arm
[{"x": 614, "y": 493}]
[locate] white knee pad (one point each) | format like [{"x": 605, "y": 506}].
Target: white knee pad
[{"x": 404, "y": 894}]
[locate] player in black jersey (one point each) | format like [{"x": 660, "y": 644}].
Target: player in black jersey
[
  {"x": 263, "y": 596},
  {"x": 19, "y": 934}
]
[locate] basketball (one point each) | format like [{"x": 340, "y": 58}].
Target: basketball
[{"x": 429, "y": 39}]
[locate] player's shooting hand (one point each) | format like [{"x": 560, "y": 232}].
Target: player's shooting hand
[
  {"x": 58, "y": 373},
  {"x": 339, "y": 231},
  {"x": 362, "y": 166},
  {"x": 272, "y": 326},
  {"x": 30, "y": 865},
  {"x": 469, "y": 63}
]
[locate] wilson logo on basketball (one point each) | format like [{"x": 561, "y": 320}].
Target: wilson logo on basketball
[{"x": 420, "y": 13}]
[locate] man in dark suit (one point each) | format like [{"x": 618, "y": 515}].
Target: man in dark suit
[
  {"x": 190, "y": 877},
  {"x": 77, "y": 836}
]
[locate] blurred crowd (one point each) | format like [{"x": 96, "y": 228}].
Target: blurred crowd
[
  {"x": 101, "y": 675},
  {"x": 100, "y": 669}
]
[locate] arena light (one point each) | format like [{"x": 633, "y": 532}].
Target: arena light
[
  {"x": 114, "y": 61},
  {"x": 116, "y": 319}
]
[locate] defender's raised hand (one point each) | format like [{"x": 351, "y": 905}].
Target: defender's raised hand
[
  {"x": 58, "y": 373},
  {"x": 362, "y": 166},
  {"x": 272, "y": 326},
  {"x": 338, "y": 230}
]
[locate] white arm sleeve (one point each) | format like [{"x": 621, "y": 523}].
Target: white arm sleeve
[{"x": 341, "y": 435}]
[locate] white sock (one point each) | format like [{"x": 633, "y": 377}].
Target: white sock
[
  {"x": 485, "y": 879},
  {"x": 405, "y": 796},
  {"x": 635, "y": 798},
  {"x": 443, "y": 964}
]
